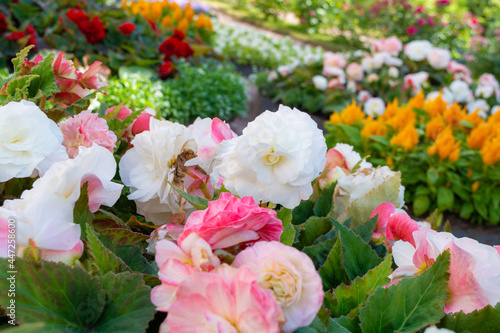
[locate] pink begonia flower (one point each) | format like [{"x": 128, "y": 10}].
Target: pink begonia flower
[
  {"x": 459, "y": 71},
  {"x": 142, "y": 123},
  {"x": 197, "y": 182},
  {"x": 226, "y": 301},
  {"x": 331, "y": 59},
  {"x": 168, "y": 231},
  {"x": 392, "y": 46},
  {"x": 4, "y": 237},
  {"x": 231, "y": 221},
  {"x": 415, "y": 81},
  {"x": 177, "y": 263},
  {"x": 45, "y": 221},
  {"x": 95, "y": 166},
  {"x": 474, "y": 267},
  {"x": 122, "y": 114},
  {"x": 497, "y": 247},
  {"x": 85, "y": 129},
  {"x": 63, "y": 68},
  {"x": 355, "y": 72},
  {"x": 208, "y": 134},
  {"x": 90, "y": 79},
  {"x": 290, "y": 274}
]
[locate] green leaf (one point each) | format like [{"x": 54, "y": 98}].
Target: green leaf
[
  {"x": 123, "y": 237},
  {"x": 358, "y": 257},
  {"x": 346, "y": 324},
  {"x": 323, "y": 206},
  {"x": 302, "y": 212},
  {"x": 18, "y": 61},
  {"x": 421, "y": 204},
  {"x": 197, "y": 202},
  {"x": 312, "y": 229},
  {"x": 486, "y": 319},
  {"x": 445, "y": 198},
  {"x": 53, "y": 293},
  {"x": 432, "y": 176},
  {"x": 81, "y": 213},
  {"x": 128, "y": 306},
  {"x": 319, "y": 252},
  {"x": 18, "y": 87},
  {"x": 45, "y": 83},
  {"x": 409, "y": 305},
  {"x": 332, "y": 272},
  {"x": 365, "y": 230},
  {"x": 28, "y": 328},
  {"x": 102, "y": 257},
  {"x": 132, "y": 256},
  {"x": 335, "y": 327},
  {"x": 103, "y": 220},
  {"x": 288, "y": 235},
  {"x": 351, "y": 296},
  {"x": 315, "y": 327}
]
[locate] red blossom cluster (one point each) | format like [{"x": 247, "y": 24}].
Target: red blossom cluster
[
  {"x": 92, "y": 29},
  {"x": 127, "y": 28},
  {"x": 19, "y": 35},
  {"x": 173, "y": 47},
  {"x": 3, "y": 24}
]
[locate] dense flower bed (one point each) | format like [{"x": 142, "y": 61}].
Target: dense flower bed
[
  {"x": 449, "y": 157},
  {"x": 392, "y": 70},
  {"x": 106, "y": 218}
]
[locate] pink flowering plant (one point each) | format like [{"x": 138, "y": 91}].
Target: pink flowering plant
[{"x": 126, "y": 222}]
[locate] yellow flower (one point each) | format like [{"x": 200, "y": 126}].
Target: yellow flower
[
  {"x": 189, "y": 13},
  {"x": 183, "y": 25},
  {"x": 374, "y": 127},
  {"x": 349, "y": 115},
  {"x": 494, "y": 118},
  {"x": 156, "y": 10},
  {"x": 480, "y": 134},
  {"x": 417, "y": 101},
  {"x": 491, "y": 151},
  {"x": 454, "y": 114},
  {"x": 407, "y": 138},
  {"x": 475, "y": 186},
  {"x": 435, "y": 126},
  {"x": 166, "y": 21},
  {"x": 177, "y": 12},
  {"x": 404, "y": 117},
  {"x": 391, "y": 109},
  {"x": 446, "y": 146},
  {"x": 474, "y": 118},
  {"x": 203, "y": 22},
  {"x": 436, "y": 106}
]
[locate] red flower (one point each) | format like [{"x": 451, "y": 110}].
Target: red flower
[
  {"x": 174, "y": 46},
  {"x": 93, "y": 30},
  {"x": 411, "y": 30},
  {"x": 165, "y": 69},
  {"x": 127, "y": 28},
  {"x": 18, "y": 35},
  {"x": 153, "y": 26},
  {"x": 77, "y": 16},
  {"x": 179, "y": 35},
  {"x": 3, "y": 24}
]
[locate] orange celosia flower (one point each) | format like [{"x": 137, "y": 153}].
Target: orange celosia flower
[
  {"x": 183, "y": 25},
  {"x": 391, "y": 109},
  {"x": 203, "y": 22},
  {"x": 404, "y": 117},
  {"x": 156, "y": 11},
  {"x": 436, "y": 106},
  {"x": 474, "y": 118},
  {"x": 491, "y": 151},
  {"x": 349, "y": 115},
  {"x": 389, "y": 162},
  {"x": 374, "y": 127},
  {"x": 189, "y": 13},
  {"x": 446, "y": 146},
  {"x": 480, "y": 134},
  {"x": 407, "y": 138},
  {"x": 166, "y": 21},
  {"x": 177, "y": 13},
  {"x": 454, "y": 114},
  {"x": 435, "y": 126},
  {"x": 494, "y": 118},
  {"x": 417, "y": 101},
  {"x": 475, "y": 186}
]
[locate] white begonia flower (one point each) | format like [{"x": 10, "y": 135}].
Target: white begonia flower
[
  {"x": 363, "y": 96},
  {"x": 432, "y": 96},
  {"x": 351, "y": 86},
  {"x": 95, "y": 165},
  {"x": 379, "y": 59},
  {"x": 439, "y": 58},
  {"x": 434, "y": 329},
  {"x": 276, "y": 158},
  {"x": 154, "y": 164},
  {"x": 418, "y": 49},
  {"x": 393, "y": 61},
  {"x": 351, "y": 156},
  {"x": 485, "y": 91},
  {"x": 27, "y": 138},
  {"x": 481, "y": 105},
  {"x": 447, "y": 96},
  {"x": 320, "y": 82},
  {"x": 393, "y": 72},
  {"x": 494, "y": 109},
  {"x": 367, "y": 64},
  {"x": 358, "y": 184},
  {"x": 374, "y": 106},
  {"x": 460, "y": 91}
]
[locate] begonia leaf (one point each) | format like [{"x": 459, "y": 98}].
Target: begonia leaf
[
  {"x": 486, "y": 319},
  {"x": 332, "y": 272}
]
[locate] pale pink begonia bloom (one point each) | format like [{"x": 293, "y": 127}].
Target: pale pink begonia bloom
[
  {"x": 90, "y": 78},
  {"x": 415, "y": 81},
  {"x": 228, "y": 300},
  {"x": 474, "y": 267},
  {"x": 95, "y": 166},
  {"x": 231, "y": 221},
  {"x": 331, "y": 59},
  {"x": 85, "y": 129},
  {"x": 122, "y": 114},
  {"x": 176, "y": 263},
  {"x": 168, "y": 231},
  {"x": 290, "y": 274},
  {"x": 355, "y": 72}
]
